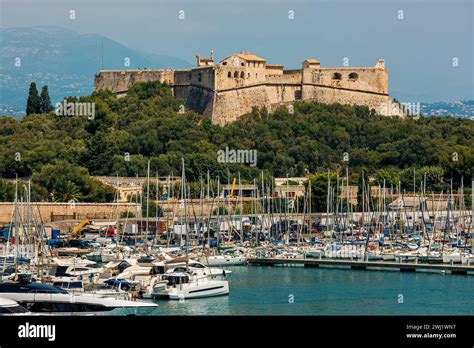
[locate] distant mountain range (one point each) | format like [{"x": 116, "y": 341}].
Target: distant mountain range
[{"x": 64, "y": 60}]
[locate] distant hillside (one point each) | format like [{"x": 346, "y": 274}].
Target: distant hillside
[
  {"x": 460, "y": 108},
  {"x": 64, "y": 60}
]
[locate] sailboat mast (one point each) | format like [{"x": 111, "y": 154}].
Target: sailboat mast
[
  {"x": 472, "y": 216},
  {"x": 147, "y": 202},
  {"x": 117, "y": 225},
  {"x": 183, "y": 185}
]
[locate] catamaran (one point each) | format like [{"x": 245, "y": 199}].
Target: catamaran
[{"x": 180, "y": 286}]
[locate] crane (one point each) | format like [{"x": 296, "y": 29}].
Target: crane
[
  {"x": 75, "y": 231},
  {"x": 232, "y": 189}
]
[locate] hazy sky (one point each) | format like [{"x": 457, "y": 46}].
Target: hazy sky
[{"x": 418, "y": 49}]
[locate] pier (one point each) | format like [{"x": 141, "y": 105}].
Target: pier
[{"x": 367, "y": 265}]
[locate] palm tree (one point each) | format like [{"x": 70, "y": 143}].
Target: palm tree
[{"x": 66, "y": 191}]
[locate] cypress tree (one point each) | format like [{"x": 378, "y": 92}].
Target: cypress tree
[
  {"x": 33, "y": 102},
  {"x": 45, "y": 101}
]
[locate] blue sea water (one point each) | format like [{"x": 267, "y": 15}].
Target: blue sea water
[{"x": 258, "y": 290}]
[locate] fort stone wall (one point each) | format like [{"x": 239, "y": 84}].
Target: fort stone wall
[
  {"x": 182, "y": 80},
  {"x": 235, "y": 85},
  {"x": 231, "y": 104},
  {"x": 118, "y": 81},
  {"x": 329, "y": 95}
]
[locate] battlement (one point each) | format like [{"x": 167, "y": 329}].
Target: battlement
[{"x": 232, "y": 87}]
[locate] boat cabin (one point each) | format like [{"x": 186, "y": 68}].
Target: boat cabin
[{"x": 176, "y": 279}]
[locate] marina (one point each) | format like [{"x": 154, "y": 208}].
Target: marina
[{"x": 192, "y": 250}]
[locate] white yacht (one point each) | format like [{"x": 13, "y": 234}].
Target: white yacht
[
  {"x": 10, "y": 307},
  {"x": 452, "y": 256},
  {"x": 405, "y": 256},
  {"x": 374, "y": 255},
  {"x": 223, "y": 260},
  {"x": 315, "y": 251},
  {"x": 388, "y": 255},
  {"x": 71, "y": 262},
  {"x": 201, "y": 270},
  {"x": 179, "y": 286},
  {"x": 104, "y": 255},
  {"x": 47, "y": 299}
]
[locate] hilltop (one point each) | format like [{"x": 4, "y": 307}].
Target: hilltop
[{"x": 147, "y": 124}]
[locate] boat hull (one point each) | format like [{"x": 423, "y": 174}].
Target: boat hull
[
  {"x": 212, "y": 289},
  {"x": 223, "y": 261}
]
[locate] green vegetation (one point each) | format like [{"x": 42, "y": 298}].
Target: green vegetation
[
  {"x": 38, "y": 104},
  {"x": 33, "y": 102},
  {"x": 45, "y": 101},
  {"x": 60, "y": 153}
]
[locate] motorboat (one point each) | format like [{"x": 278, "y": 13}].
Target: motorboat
[
  {"x": 374, "y": 255},
  {"x": 181, "y": 286},
  {"x": 71, "y": 262},
  {"x": 223, "y": 260},
  {"x": 201, "y": 270},
  {"x": 10, "y": 307},
  {"x": 452, "y": 257},
  {"x": 315, "y": 252},
  {"x": 71, "y": 284},
  {"x": 103, "y": 255},
  {"x": 42, "y": 298},
  {"x": 388, "y": 255},
  {"x": 408, "y": 256}
]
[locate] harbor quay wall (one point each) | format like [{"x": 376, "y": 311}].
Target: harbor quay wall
[
  {"x": 195, "y": 208},
  {"x": 53, "y": 211}
]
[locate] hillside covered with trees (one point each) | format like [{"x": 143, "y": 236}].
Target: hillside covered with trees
[{"x": 60, "y": 153}]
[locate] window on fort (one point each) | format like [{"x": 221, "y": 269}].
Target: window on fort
[
  {"x": 243, "y": 64},
  {"x": 256, "y": 74},
  {"x": 353, "y": 76},
  {"x": 248, "y": 75},
  {"x": 254, "y": 64},
  {"x": 236, "y": 74},
  {"x": 337, "y": 76},
  {"x": 229, "y": 74},
  {"x": 199, "y": 77},
  {"x": 242, "y": 75},
  {"x": 224, "y": 63}
]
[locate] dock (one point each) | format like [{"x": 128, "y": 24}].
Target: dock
[{"x": 367, "y": 265}]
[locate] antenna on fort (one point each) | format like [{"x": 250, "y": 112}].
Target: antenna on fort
[{"x": 212, "y": 55}]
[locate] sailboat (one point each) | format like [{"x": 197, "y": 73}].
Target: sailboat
[{"x": 187, "y": 284}]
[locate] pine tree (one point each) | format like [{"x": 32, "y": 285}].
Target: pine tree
[
  {"x": 33, "y": 102},
  {"x": 45, "y": 101}
]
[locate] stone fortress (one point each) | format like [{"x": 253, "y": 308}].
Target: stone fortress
[{"x": 232, "y": 87}]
